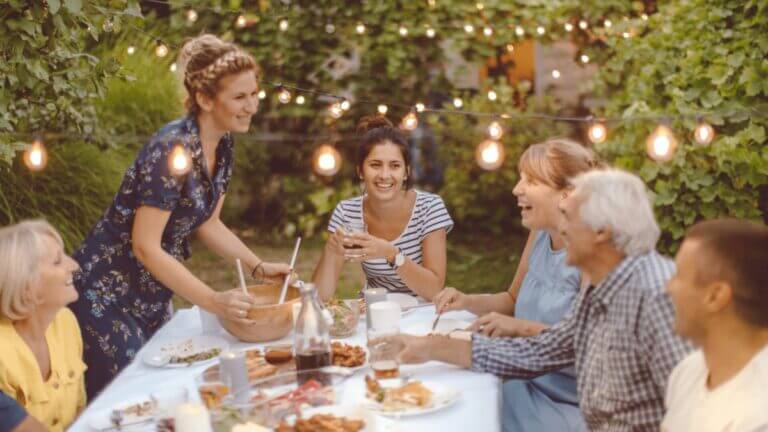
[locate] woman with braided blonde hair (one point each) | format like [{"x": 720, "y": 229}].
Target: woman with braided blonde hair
[{"x": 131, "y": 260}]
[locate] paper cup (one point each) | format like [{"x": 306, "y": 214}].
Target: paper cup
[{"x": 385, "y": 314}]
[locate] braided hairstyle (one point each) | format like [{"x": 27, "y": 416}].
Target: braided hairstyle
[
  {"x": 205, "y": 60},
  {"x": 375, "y": 130}
]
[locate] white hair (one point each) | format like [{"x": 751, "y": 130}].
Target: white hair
[
  {"x": 21, "y": 250},
  {"x": 618, "y": 200}
]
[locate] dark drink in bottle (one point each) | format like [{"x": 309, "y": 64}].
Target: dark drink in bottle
[{"x": 312, "y": 340}]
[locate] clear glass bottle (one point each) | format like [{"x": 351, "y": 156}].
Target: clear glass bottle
[{"x": 311, "y": 340}]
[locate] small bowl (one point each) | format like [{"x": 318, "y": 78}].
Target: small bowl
[
  {"x": 272, "y": 321},
  {"x": 346, "y": 315},
  {"x": 278, "y": 354}
]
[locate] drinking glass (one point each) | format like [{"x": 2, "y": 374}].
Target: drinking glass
[
  {"x": 352, "y": 250},
  {"x": 383, "y": 351}
]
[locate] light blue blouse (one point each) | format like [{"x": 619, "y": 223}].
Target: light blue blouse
[{"x": 549, "y": 402}]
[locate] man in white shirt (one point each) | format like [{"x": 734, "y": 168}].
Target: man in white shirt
[{"x": 720, "y": 294}]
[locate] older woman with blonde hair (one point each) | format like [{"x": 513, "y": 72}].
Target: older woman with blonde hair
[
  {"x": 133, "y": 257},
  {"x": 41, "y": 364}
]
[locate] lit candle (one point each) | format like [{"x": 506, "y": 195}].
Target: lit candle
[
  {"x": 234, "y": 372},
  {"x": 191, "y": 417}
]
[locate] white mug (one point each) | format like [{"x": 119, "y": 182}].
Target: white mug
[{"x": 385, "y": 314}]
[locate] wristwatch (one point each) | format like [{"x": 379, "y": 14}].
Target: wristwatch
[{"x": 399, "y": 260}]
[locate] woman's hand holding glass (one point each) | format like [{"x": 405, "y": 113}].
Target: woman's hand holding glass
[
  {"x": 495, "y": 324},
  {"x": 274, "y": 272},
  {"x": 363, "y": 246}
]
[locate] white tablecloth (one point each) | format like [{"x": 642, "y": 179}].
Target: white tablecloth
[{"x": 478, "y": 410}]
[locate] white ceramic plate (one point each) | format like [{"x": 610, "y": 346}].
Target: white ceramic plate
[
  {"x": 444, "y": 326},
  {"x": 442, "y": 397},
  {"x": 355, "y": 412},
  {"x": 404, "y": 300},
  {"x": 159, "y": 352},
  {"x": 100, "y": 420}
]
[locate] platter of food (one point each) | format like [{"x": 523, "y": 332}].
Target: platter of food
[
  {"x": 132, "y": 414},
  {"x": 408, "y": 398},
  {"x": 185, "y": 352}
]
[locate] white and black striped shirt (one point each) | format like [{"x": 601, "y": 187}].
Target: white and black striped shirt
[{"x": 429, "y": 214}]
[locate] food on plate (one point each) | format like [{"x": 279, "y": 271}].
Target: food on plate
[
  {"x": 345, "y": 317},
  {"x": 195, "y": 357},
  {"x": 323, "y": 423},
  {"x": 212, "y": 394},
  {"x": 279, "y": 354},
  {"x": 347, "y": 355},
  {"x": 311, "y": 393},
  {"x": 410, "y": 395},
  {"x": 140, "y": 409},
  {"x": 257, "y": 365}
]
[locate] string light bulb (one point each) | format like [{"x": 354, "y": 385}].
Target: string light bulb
[
  {"x": 661, "y": 144},
  {"x": 173, "y": 67},
  {"x": 457, "y": 102},
  {"x": 584, "y": 58},
  {"x": 519, "y": 31},
  {"x": 403, "y": 31},
  {"x": 327, "y": 160},
  {"x": 510, "y": 48},
  {"x": 492, "y": 96},
  {"x": 420, "y": 107},
  {"x": 469, "y": 28},
  {"x": 179, "y": 162},
  {"x": 626, "y": 35},
  {"x": 382, "y": 109},
  {"x": 283, "y": 25},
  {"x": 360, "y": 28},
  {"x": 541, "y": 30},
  {"x": 262, "y": 94},
  {"x": 284, "y": 96},
  {"x": 597, "y": 132},
  {"x": 35, "y": 156},
  {"x": 488, "y": 31},
  {"x": 607, "y": 23},
  {"x": 489, "y": 155},
  {"x": 161, "y": 50},
  {"x": 191, "y": 15},
  {"x": 240, "y": 22},
  {"x": 300, "y": 100},
  {"x": 335, "y": 110},
  {"x": 704, "y": 133},
  {"x": 480, "y": 6},
  {"x": 568, "y": 27},
  {"x": 555, "y": 74},
  {"x": 330, "y": 28},
  {"x": 495, "y": 131},
  {"x": 644, "y": 17},
  {"x": 430, "y": 32},
  {"x": 130, "y": 50},
  {"x": 345, "y": 105},
  {"x": 410, "y": 121},
  {"x": 583, "y": 25}
]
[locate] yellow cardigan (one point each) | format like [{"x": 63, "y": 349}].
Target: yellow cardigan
[{"x": 57, "y": 401}]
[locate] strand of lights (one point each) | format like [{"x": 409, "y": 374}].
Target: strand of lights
[
  {"x": 335, "y": 110},
  {"x": 35, "y": 156},
  {"x": 345, "y": 105},
  {"x": 420, "y": 107},
  {"x": 704, "y": 133},
  {"x": 161, "y": 50},
  {"x": 492, "y": 96},
  {"x": 597, "y": 132},
  {"x": 457, "y": 102},
  {"x": 489, "y": 155},
  {"x": 410, "y": 121},
  {"x": 327, "y": 160},
  {"x": 382, "y": 109},
  {"x": 300, "y": 100},
  {"x": 495, "y": 131},
  {"x": 284, "y": 95},
  {"x": 661, "y": 144}
]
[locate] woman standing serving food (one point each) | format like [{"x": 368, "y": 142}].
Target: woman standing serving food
[{"x": 132, "y": 259}]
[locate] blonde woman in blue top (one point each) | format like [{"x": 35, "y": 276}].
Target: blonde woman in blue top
[{"x": 542, "y": 292}]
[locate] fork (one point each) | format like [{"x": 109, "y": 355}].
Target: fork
[{"x": 434, "y": 324}]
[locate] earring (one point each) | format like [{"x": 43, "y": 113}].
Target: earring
[{"x": 362, "y": 187}]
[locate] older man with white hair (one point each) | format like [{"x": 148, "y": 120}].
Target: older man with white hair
[{"x": 619, "y": 334}]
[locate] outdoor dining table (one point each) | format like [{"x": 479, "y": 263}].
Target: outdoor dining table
[{"x": 478, "y": 408}]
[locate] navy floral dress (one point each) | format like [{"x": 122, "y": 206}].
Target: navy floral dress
[{"x": 121, "y": 305}]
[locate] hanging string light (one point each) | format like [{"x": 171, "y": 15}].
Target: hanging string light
[
  {"x": 704, "y": 133},
  {"x": 661, "y": 144},
  {"x": 584, "y": 58},
  {"x": 179, "y": 162},
  {"x": 430, "y": 32},
  {"x": 489, "y": 155},
  {"x": 597, "y": 132},
  {"x": 410, "y": 121},
  {"x": 283, "y": 95},
  {"x": 327, "y": 160},
  {"x": 510, "y": 48},
  {"x": 495, "y": 131},
  {"x": 240, "y": 22},
  {"x": 480, "y": 6},
  {"x": 568, "y": 27},
  {"x": 345, "y": 105},
  {"x": 469, "y": 28},
  {"x": 457, "y": 102},
  {"x": 161, "y": 50},
  {"x": 607, "y": 23},
  {"x": 191, "y": 15},
  {"x": 300, "y": 100},
  {"x": 283, "y": 25},
  {"x": 488, "y": 31},
  {"x": 583, "y": 24},
  {"x": 382, "y": 109},
  {"x": 519, "y": 31},
  {"x": 403, "y": 31},
  {"x": 262, "y": 94},
  {"x": 541, "y": 30},
  {"x": 555, "y": 74},
  {"x": 626, "y": 35},
  {"x": 35, "y": 156},
  {"x": 644, "y": 17},
  {"x": 360, "y": 28},
  {"x": 173, "y": 67},
  {"x": 492, "y": 96},
  {"x": 335, "y": 110}
]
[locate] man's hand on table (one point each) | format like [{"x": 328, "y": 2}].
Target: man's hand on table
[{"x": 421, "y": 349}]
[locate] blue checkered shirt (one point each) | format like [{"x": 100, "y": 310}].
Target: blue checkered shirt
[{"x": 619, "y": 336}]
